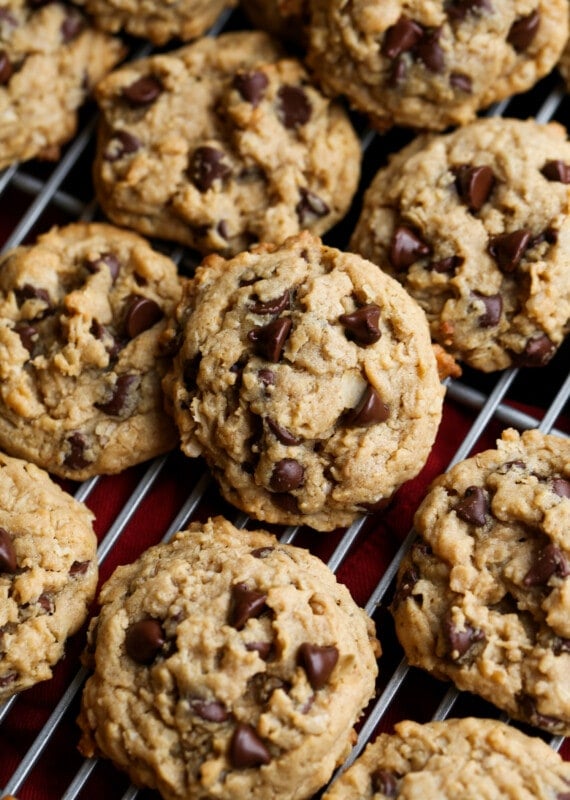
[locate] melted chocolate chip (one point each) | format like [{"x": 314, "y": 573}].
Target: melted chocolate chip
[
  {"x": 406, "y": 585},
  {"x": 8, "y": 561},
  {"x": 211, "y": 711},
  {"x": 550, "y": 561},
  {"x": 318, "y": 662},
  {"x": 460, "y": 639},
  {"x": 474, "y": 507},
  {"x": 246, "y": 603},
  {"x": 286, "y": 502},
  {"x": 508, "y": 248},
  {"x": 274, "y": 306},
  {"x": 79, "y": 568},
  {"x": 457, "y": 10},
  {"x": 361, "y": 326},
  {"x": 270, "y": 339},
  {"x": 557, "y": 171},
  {"x": 537, "y": 352},
  {"x": 141, "y": 314},
  {"x": 385, "y": 782},
  {"x": 46, "y": 602},
  {"x": 144, "y": 640},
  {"x": 71, "y": 27},
  {"x": 262, "y": 552},
  {"x": 108, "y": 260},
  {"x": 75, "y": 458},
  {"x": 443, "y": 265},
  {"x": 28, "y": 336},
  {"x": 527, "y": 705},
  {"x": 561, "y": 487},
  {"x": 294, "y": 108},
  {"x": 287, "y": 475},
  {"x": 429, "y": 51},
  {"x": 398, "y": 72},
  {"x": 266, "y": 377},
  {"x": 121, "y": 391},
  {"x": 8, "y": 679},
  {"x": 401, "y": 37},
  {"x": 6, "y": 68},
  {"x": 251, "y": 86},
  {"x": 474, "y": 185},
  {"x": 127, "y": 144},
  {"x": 143, "y": 92},
  {"x": 207, "y": 166},
  {"x": 310, "y": 207},
  {"x": 29, "y": 292},
  {"x": 370, "y": 409},
  {"x": 493, "y": 309},
  {"x": 406, "y": 247},
  {"x": 281, "y": 433},
  {"x": 461, "y": 82},
  {"x": 263, "y": 649},
  {"x": 247, "y": 749},
  {"x": 523, "y": 31}
]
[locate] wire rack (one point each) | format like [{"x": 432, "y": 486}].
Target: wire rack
[{"x": 38, "y": 734}]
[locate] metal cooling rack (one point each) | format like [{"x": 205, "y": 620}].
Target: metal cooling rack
[{"x": 48, "y": 194}]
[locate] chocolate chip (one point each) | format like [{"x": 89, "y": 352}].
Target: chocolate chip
[
  {"x": 318, "y": 662},
  {"x": 270, "y": 339},
  {"x": 8, "y": 679},
  {"x": 474, "y": 185},
  {"x": 461, "y": 82},
  {"x": 460, "y": 639},
  {"x": 79, "y": 568},
  {"x": 286, "y": 502},
  {"x": 370, "y": 409},
  {"x": 262, "y": 552},
  {"x": 251, "y": 86},
  {"x": 28, "y": 336},
  {"x": 46, "y": 602},
  {"x": 207, "y": 165},
  {"x": 294, "y": 108},
  {"x": 458, "y": 10},
  {"x": 429, "y": 51},
  {"x": 362, "y": 325},
  {"x": 141, "y": 314},
  {"x": 508, "y": 248},
  {"x": 406, "y": 247},
  {"x": 266, "y": 377},
  {"x": 287, "y": 475},
  {"x": 263, "y": 649},
  {"x": 398, "y": 72},
  {"x": 8, "y": 561},
  {"x": 122, "y": 143},
  {"x": 71, "y": 27},
  {"x": 384, "y": 782},
  {"x": 143, "y": 92},
  {"x": 274, "y": 306},
  {"x": 550, "y": 561},
  {"x": 473, "y": 508},
  {"x": 310, "y": 207},
  {"x": 108, "y": 260},
  {"x": 561, "y": 487},
  {"x": 537, "y": 352},
  {"x": 556, "y": 171},
  {"x": 211, "y": 711},
  {"x": 246, "y": 603},
  {"x": 121, "y": 391},
  {"x": 247, "y": 749},
  {"x": 527, "y": 705},
  {"x": 6, "y": 68},
  {"x": 401, "y": 37},
  {"x": 144, "y": 640},
  {"x": 281, "y": 433},
  {"x": 406, "y": 585},
  {"x": 29, "y": 292},
  {"x": 523, "y": 31},
  {"x": 75, "y": 457},
  {"x": 493, "y": 309},
  {"x": 443, "y": 265}
]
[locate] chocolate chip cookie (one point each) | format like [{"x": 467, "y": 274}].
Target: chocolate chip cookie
[
  {"x": 48, "y": 573},
  {"x": 226, "y": 665},
  {"x": 457, "y": 758},
  {"x": 81, "y": 313},
  {"x": 483, "y": 597},
  {"x": 50, "y": 57},
  {"x": 156, "y": 20},
  {"x": 432, "y": 65},
  {"x": 475, "y": 225},
  {"x": 223, "y": 143},
  {"x": 306, "y": 378}
]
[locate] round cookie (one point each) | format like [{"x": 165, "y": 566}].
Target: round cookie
[
  {"x": 456, "y": 758},
  {"x": 306, "y": 378},
  {"x": 475, "y": 225},
  {"x": 50, "y": 58},
  {"x": 227, "y": 665},
  {"x": 483, "y": 596},
  {"x": 432, "y": 65},
  {"x": 81, "y": 313},
  {"x": 223, "y": 143},
  {"x": 157, "y": 20},
  {"x": 48, "y": 573}
]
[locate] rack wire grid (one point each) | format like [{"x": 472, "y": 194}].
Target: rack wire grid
[{"x": 38, "y": 732}]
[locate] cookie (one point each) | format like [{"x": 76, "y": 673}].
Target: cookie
[
  {"x": 50, "y": 58},
  {"x": 156, "y": 20},
  {"x": 48, "y": 573},
  {"x": 306, "y": 378},
  {"x": 81, "y": 313},
  {"x": 483, "y": 597},
  {"x": 226, "y": 665},
  {"x": 284, "y": 19},
  {"x": 221, "y": 144},
  {"x": 432, "y": 65},
  {"x": 475, "y": 225},
  {"x": 468, "y": 758}
]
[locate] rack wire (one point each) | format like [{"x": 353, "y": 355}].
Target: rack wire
[{"x": 34, "y": 196}]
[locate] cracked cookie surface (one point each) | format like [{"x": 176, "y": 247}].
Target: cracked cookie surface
[
  {"x": 48, "y": 573},
  {"x": 81, "y": 313},
  {"x": 475, "y": 225},
  {"x": 223, "y": 143},
  {"x": 483, "y": 595},
  {"x": 306, "y": 378},
  {"x": 227, "y": 665}
]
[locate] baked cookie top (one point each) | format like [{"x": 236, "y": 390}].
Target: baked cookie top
[
  {"x": 48, "y": 573},
  {"x": 81, "y": 313},
  {"x": 306, "y": 378},
  {"x": 429, "y": 65},
  {"x": 227, "y": 665},
  {"x": 483, "y": 597},
  {"x": 223, "y": 143},
  {"x": 157, "y": 20},
  {"x": 475, "y": 225},
  {"x": 469, "y": 758},
  {"x": 46, "y": 45}
]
